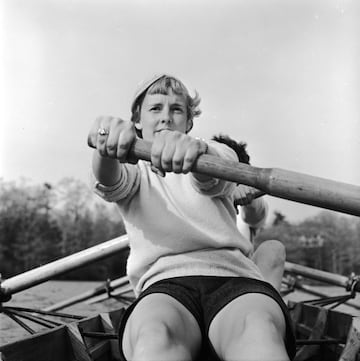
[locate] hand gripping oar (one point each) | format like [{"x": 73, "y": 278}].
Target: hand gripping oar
[{"x": 293, "y": 186}]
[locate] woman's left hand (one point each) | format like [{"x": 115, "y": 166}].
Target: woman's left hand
[{"x": 173, "y": 151}]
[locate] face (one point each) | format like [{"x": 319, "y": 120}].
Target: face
[{"x": 159, "y": 112}]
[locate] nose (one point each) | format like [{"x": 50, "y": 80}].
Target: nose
[{"x": 165, "y": 117}]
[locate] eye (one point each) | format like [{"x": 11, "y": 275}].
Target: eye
[
  {"x": 155, "y": 108},
  {"x": 178, "y": 110}
]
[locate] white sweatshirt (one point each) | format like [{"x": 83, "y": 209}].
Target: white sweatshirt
[{"x": 178, "y": 226}]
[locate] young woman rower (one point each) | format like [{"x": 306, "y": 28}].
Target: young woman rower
[{"x": 199, "y": 295}]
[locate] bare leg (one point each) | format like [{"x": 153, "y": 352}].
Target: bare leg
[
  {"x": 161, "y": 329},
  {"x": 255, "y": 334},
  {"x": 270, "y": 258}
]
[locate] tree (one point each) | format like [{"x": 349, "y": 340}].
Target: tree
[
  {"x": 24, "y": 221},
  {"x": 279, "y": 218},
  {"x": 41, "y": 223},
  {"x": 339, "y": 251}
]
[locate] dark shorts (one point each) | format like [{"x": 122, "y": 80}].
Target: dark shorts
[{"x": 204, "y": 297}]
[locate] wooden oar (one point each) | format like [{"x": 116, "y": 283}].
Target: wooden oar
[
  {"x": 124, "y": 292},
  {"x": 99, "y": 290},
  {"x": 323, "y": 276},
  {"x": 50, "y": 270},
  {"x": 298, "y": 286},
  {"x": 298, "y": 187}
]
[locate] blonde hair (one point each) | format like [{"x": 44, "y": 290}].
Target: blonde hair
[{"x": 162, "y": 86}]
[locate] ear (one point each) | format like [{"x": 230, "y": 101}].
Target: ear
[
  {"x": 189, "y": 125},
  {"x": 138, "y": 125},
  {"x": 135, "y": 118}
]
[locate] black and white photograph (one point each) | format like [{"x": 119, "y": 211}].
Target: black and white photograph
[{"x": 179, "y": 180}]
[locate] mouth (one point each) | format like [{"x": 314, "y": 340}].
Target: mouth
[{"x": 160, "y": 130}]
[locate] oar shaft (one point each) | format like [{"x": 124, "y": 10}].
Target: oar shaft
[
  {"x": 120, "y": 282},
  {"x": 319, "y": 275},
  {"x": 298, "y": 187},
  {"x": 49, "y": 271},
  {"x": 308, "y": 290}
]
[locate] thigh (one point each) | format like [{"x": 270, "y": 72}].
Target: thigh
[
  {"x": 254, "y": 311},
  {"x": 237, "y": 301},
  {"x": 156, "y": 311}
]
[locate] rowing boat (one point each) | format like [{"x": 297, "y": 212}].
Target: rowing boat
[{"x": 322, "y": 333}]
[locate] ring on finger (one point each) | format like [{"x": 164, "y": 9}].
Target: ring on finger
[{"x": 103, "y": 131}]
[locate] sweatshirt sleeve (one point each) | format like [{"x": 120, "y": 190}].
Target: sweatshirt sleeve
[
  {"x": 259, "y": 213},
  {"x": 217, "y": 187},
  {"x": 125, "y": 188}
]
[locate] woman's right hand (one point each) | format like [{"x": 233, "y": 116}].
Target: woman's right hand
[
  {"x": 244, "y": 195},
  {"x": 112, "y": 137}
]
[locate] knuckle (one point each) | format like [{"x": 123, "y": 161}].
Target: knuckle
[
  {"x": 123, "y": 146},
  {"x": 102, "y": 152},
  {"x": 127, "y": 123},
  {"x": 177, "y": 162},
  {"x": 120, "y": 121},
  {"x": 189, "y": 159},
  {"x": 101, "y": 141},
  {"x": 155, "y": 156},
  {"x": 111, "y": 148},
  {"x": 103, "y": 119},
  {"x": 156, "y": 150},
  {"x": 166, "y": 160},
  {"x": 198, "y": 143}
]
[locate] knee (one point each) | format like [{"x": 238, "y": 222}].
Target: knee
[
  {"x": 275, "y": 251},
  {"x": 262, "y": 325},
  {"x": 153, "y": 336},
  {"x": 156, "y": 341},
  {"x": 246, "y": 346}
]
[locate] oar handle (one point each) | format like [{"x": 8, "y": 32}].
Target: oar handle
[
  {"x": 206, "y": 164},
  {"x": 298, "y": 187}
]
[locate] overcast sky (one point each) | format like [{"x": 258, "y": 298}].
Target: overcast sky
[{"x": 282, "y": 76}]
